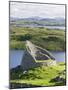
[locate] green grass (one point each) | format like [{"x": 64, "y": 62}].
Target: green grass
[
  {"x": 49, "y": 60},
  {"x": 40, "y": 76},
  {"x": 49, "y": 39},
  {"x": 34, "y": 82},
  {"x": 17, "y": 45}
]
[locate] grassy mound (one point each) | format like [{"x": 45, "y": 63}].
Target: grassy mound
[{"x": 40, "y": 76}]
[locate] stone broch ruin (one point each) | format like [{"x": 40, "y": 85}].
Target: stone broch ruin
[{"x": 35, "y": 56}]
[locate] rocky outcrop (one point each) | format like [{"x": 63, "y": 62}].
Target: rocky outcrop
[{"x": 35, "y": 56}]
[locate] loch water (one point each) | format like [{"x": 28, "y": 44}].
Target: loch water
[{"x": 16, "y": 56}]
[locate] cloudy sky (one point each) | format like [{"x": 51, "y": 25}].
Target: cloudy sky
[{"x": 25, "y": 10}]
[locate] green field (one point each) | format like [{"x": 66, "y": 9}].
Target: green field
[
  {"x": 40, "y": 76},
  {"x": 53, "y": 40}
]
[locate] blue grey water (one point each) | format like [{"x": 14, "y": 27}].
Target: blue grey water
[
  {"x": 59, "y": 56},
  {"x": 17, "y": 55},
  {"x": 55, "y": 27},
  {"x": 49, "y": 27},
  {"x": 15, "y": 58}
]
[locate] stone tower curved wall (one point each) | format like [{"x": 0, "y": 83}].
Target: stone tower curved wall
[{"x": 30, "y": 59}]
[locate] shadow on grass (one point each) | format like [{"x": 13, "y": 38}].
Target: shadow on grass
[
  {"x": 22, "y": 85},
  {"x": 58, "y": 81}
]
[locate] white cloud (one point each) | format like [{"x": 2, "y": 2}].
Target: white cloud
[{"x": 31, "y": 9}]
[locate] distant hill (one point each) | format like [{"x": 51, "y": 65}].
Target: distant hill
[{"x": 37, "y": 21}]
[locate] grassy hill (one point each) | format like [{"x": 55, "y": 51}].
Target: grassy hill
[
  {"x": 46, "y": 38},
  {"x": 40, "y": 76},
  {"x": 38, "y": 21}
]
